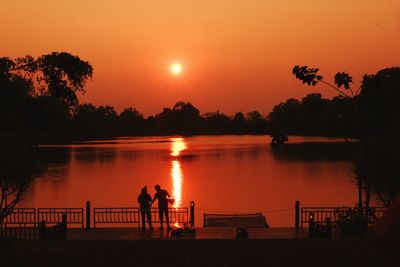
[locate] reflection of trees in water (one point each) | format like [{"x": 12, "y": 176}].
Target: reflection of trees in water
[
  {"x": 19, "y": 166},
  {"x": 131, "y": 155},
  {"x": 91, "y": 155},
  {"x": 221, "y": 152},
  {"x": 56, "y": 155},
  {"x": 239, "y": 152},
  {"x": 255, "y": 152},
  {"x": 313, "y": 152},
  {"x": 53, "y": 179}
]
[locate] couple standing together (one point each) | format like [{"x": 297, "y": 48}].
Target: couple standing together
[{"x": 145, "y": 202}]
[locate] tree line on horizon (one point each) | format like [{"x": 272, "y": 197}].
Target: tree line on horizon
[
  {"x": 312, "y": 115},
  {"x": 39, "y": 100},
  {"x": 88, "y": 121},
  {"x": 49, "y": 120}
]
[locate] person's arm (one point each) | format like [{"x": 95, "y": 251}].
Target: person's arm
[
  {"x": 167, "y": 194},
  {"x": 154, "y": 199}
]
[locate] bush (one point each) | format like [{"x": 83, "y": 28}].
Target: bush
[{"x": 351, "y": 222}]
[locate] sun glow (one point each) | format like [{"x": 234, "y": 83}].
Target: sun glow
[
  {"x": 176, "y": 69},
  {"x": 177, "y": 146}
]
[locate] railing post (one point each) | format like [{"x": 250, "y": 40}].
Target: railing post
[
  {"x": 311, "y": 225},
  {"x": 192, "y": 213},
  {"x": 42, "y": 230},
  {"x": 139, "y": 218},
  {"x": 87, "y": 215},
  {"x": 64, "y": 219},
  {"x": 64, "y": 226},
  {"x": 297, "y": 214}
]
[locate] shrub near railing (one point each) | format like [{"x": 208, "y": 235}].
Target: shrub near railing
[
  {"x": 351, "y": 222},
  {"x": 54, "y": 216},
  {"x": 347, "y": 221}
]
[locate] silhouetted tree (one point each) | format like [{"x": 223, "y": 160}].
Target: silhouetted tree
[
  {"x": 216, "y": 123},
  {"x": 378, "y": 160},
  {"x": 131, "y": 122},
  {"x": 39, "y": 94},
  {"x": 379, "y": 102},
  {"x": 18, "y": 167},
  {"x": 91, "y": 122},
  {"x": 240, "y": 125},
  {"x": 48, "y": 119},
  {"x": 378, "y": 163},
  {"x": 183, "y": 118},
  {"x": 376, "y": 115},
  {"x": 60, "y": 74},
  {"x": 186, "y": 117},
  {"x": 256, "y": 122},
  {"x": 311, "y": 77},
  {"x": 282, "y": 119},
  {"x": 15, "y": 94}
]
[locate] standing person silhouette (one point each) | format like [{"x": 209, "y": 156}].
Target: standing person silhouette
[
  {"x": 144, "y": 200},
  {"x": 162, "y": 196}
]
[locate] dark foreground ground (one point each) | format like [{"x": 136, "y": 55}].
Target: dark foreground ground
[{"x": 206, "y": 252}]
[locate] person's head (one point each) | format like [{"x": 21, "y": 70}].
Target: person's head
[
  {"x": 157, "y": 187},
  {"x": 144, "y": 190}
]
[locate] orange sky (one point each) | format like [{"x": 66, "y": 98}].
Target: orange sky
[{"x": 237, "y": 55}]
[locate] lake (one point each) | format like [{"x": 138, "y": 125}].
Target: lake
[{"x": 219, "y": 173}]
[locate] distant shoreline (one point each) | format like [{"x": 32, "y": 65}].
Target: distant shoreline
[{"x": 338, "y": 139}]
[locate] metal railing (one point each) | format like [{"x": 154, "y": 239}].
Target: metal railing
[
  {"x": 248, "y": 220},
  {"x": 176, "y": 215},
  {"x": 128, "y": 215},
  {"x": 24, "y": 222},
  {"x": 54, "y": 215},
  {"x": 21, "y": 216},
  {"x": 20, "y": 224},
  {"x": 23, "y": 232},
  {"x": 321, "y": 214},
  {"x": 116, "y": 215},
  {"x": 378, "y": 212}
]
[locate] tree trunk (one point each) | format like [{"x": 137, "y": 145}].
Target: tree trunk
[
  {"x": 360, "y": 197},
  {"x": 367, "y": 199}
]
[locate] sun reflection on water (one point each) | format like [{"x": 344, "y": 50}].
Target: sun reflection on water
[
  {"x": 178, "y": 145},
  {"x": 177, "y": 180}
]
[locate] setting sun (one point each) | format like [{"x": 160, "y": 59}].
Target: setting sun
[{"x": 176, "y": 69}]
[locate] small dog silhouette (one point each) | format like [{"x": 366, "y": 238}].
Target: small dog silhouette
[
  {"x": 241, "y": 233},
  {"x": 177, "y": 233}
]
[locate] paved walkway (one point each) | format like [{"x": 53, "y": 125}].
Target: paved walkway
[
  {"x": 230, "y": 253},
  {"x": 201, "y": 233}
]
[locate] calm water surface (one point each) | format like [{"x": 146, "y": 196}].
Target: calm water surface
[{"x": 219, "y": 173}]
